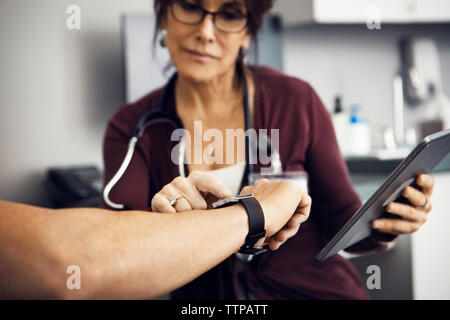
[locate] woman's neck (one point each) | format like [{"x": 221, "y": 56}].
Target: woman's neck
[{"x": 213, "y": 97}]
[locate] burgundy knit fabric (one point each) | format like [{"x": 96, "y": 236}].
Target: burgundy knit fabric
[{"x": 307, "y": 142}]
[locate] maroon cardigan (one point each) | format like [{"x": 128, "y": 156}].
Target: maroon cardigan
[{"x": 307, "y": 142}]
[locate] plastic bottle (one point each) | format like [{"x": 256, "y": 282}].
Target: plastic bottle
[
  {"x": 340, "y": 124},
  {"x": 358, "y": 134}
]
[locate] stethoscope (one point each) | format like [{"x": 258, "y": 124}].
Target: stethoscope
[{"x": 161, "y": 115}]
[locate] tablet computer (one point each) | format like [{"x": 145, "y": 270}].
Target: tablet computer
[{"x": 423, "y": 159}]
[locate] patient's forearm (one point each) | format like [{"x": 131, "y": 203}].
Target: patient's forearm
[{"x": 120, "y": 254}]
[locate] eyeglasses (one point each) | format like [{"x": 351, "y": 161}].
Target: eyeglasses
[{"x": 226, "y": 20}]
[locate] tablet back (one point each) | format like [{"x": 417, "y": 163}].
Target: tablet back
[{"x": 423, "y": 159}]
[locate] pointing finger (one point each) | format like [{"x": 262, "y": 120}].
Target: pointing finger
[{"x": 206, "y": 183}]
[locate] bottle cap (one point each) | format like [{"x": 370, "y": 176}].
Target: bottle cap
[{"x": 338, "y": 105}]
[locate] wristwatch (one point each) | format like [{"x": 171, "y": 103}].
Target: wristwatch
[{"x": 255, "y": 221}]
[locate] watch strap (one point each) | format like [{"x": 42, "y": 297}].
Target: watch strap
[{"x": 256, "y": 224}]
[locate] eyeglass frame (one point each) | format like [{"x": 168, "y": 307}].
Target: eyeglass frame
[{"x": 204, "y": 14}]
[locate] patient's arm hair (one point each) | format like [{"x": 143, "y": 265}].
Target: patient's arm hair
[{"x": 132, "y": 255}]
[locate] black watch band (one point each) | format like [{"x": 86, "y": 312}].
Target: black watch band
[{"x": 255, "y": 221}]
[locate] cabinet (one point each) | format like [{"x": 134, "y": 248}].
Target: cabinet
[{"x": 295, "y": 12}]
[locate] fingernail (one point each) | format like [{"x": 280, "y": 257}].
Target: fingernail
[
  {"x": 390, "y": 207},
  {"x": 376, "y": 224},
  {"x": 419, "y": 180},
  {"x": 406, "y": 191}
]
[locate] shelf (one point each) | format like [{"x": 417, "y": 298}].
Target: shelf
[{"x": 372, "y": 165}]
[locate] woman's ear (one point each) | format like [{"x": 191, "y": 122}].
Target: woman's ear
[{"x": 246, "y": 42}]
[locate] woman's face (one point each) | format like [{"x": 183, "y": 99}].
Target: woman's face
[{"x": 185, "y": 40}]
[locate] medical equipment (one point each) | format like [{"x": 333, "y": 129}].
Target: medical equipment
[{"x": 162, "y": 115}]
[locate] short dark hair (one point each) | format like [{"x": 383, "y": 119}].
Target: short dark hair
[{"x": 256, "y": 9}]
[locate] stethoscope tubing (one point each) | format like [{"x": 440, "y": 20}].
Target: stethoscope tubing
[
  {"x": 159, "y": 116},
  {"x": 118, "y": 175}
]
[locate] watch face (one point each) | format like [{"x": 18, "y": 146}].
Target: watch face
[{"x": 229, "y": 201}]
